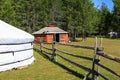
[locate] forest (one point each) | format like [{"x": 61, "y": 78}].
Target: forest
[{"x": 75, "y": 16}]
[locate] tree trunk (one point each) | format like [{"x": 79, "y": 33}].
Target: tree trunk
[
  {"x": 83, "y": 36},
  {"x": 74, "y": 34},
  {"x": 83, "y": 25}
]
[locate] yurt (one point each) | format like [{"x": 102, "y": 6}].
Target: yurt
[
  {"x": 47, "y": 34},
  {"x": 16, "y": 47}
]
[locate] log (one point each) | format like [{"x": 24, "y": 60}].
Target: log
[
  {"x": 78, "y": 56},
  {"x": 108, "y": 56},
  {"x": 77, "y": 46},
  {"x": 53, "y": 57},
  {"x": 47, "y": 53},
  {"x": 47, "y": 48},
  {"x": 108, "y": 69},
  {"x": 46, "y": 43},
  {"x": 80, "y": 66}
]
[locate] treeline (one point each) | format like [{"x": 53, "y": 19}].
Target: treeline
[{"x": 75, "y": 16}]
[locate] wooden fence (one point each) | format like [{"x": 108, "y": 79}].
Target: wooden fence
[{"x": 95, "y": 61}]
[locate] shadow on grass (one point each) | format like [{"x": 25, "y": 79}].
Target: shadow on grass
[{"x": 61, "y": 65}]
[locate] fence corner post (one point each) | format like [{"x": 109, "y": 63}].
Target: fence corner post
[
  {"x": 100, "y": 49},
  {"x": 53, "y": 57},
  {"x": 94, "y": 57}
]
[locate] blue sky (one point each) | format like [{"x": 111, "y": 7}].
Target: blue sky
[{"x": 98, "y": 3}]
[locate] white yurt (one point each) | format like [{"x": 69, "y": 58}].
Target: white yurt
[{"x": 16, "y": 47}]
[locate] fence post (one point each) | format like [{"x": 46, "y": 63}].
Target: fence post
[
  {"x": 85, "y": 78},
  {"x": 41, "y": 45},
  {"x": 98, "y": 69},
  {"x": 53, "y": 57},
  {"x": 94, "y": 57}
]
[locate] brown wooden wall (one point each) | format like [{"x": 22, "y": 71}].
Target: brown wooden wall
[
  {"x": 64, "y": 38},
  {"x": 36, "y": 37},
  {"x": 49, "y": 37}
]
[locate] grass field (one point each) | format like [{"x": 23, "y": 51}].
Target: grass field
[{"x": 44, "y": 69}]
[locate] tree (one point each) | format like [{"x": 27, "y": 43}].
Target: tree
[
  {"x": 116, "y": 16},
  {"x": 105, "y": 21},
  {"x": 71, "y": 16},
  {"x": 7, "y": 12},
  {"x": 26, "y": 14},
  {"x": 74, "y": 16},
  {"x": 89, "y": 18},
  {"x": 80, "y": 17}
]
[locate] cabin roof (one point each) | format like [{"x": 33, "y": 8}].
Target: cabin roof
[{"x": 50, "y": 30}]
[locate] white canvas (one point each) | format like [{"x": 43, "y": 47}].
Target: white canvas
[
  {"x": 16, "y": 48},
  {"x": 11, "y": 34}
]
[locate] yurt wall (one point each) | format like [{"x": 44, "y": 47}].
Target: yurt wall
[{"x": 16, "y": 47}]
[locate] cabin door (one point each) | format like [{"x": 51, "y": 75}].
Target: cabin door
[{"x": 58, "y": 37}]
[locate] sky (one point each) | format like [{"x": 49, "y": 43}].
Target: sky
[{"x": 98, "y": 3}]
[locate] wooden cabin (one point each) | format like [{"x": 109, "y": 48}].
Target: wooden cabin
[{"x": 50, "y": 33}]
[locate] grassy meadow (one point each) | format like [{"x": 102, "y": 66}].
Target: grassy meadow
[{"x": 44, "y": 69}]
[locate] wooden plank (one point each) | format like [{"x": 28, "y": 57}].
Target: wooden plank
[
  {"x": 46, "y": 43},
  {"x": 94, "y": 57},
  {"x": 77, "y": 46},
  {"x": 108, "y": 69},
  {"x": 108, "y": 56},
  {"x": 47, "y": 48},
  {"x": 98, "y": 69},
  {"x": 80, "y": 66},
  {"x": 78, "y": 56},
  {"x": 105, "y": 78},
  {"x": 53, "y": 57},
  {"x": 85, "y": 78},
  {"x": 47, "y": 52}
]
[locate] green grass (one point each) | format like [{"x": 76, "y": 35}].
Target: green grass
[{"x": 44, "y": 69}]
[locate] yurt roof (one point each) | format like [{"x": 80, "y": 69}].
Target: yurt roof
[
  {"x": 50, "y": 30},
  {"x": 12, "y": 35}
]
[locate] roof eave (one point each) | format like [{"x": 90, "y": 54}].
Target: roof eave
[{"x": 52, "y": 33}]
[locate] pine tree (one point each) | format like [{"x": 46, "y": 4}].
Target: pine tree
[
  {"x": 105, "y": 21},
  {"x": 116, "y": 16}
]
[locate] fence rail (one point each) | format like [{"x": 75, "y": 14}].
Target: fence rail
[
  {"x": 78, "y": 56},
  {"x": 97, "y": 51},
  {"x": 47, "y": 48},
  {"x": 82, "y": 67},
  {"x": 108, "y": 56},
  {"x": 108, "y": 69},
  {"x": 77, "y": 46}
]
